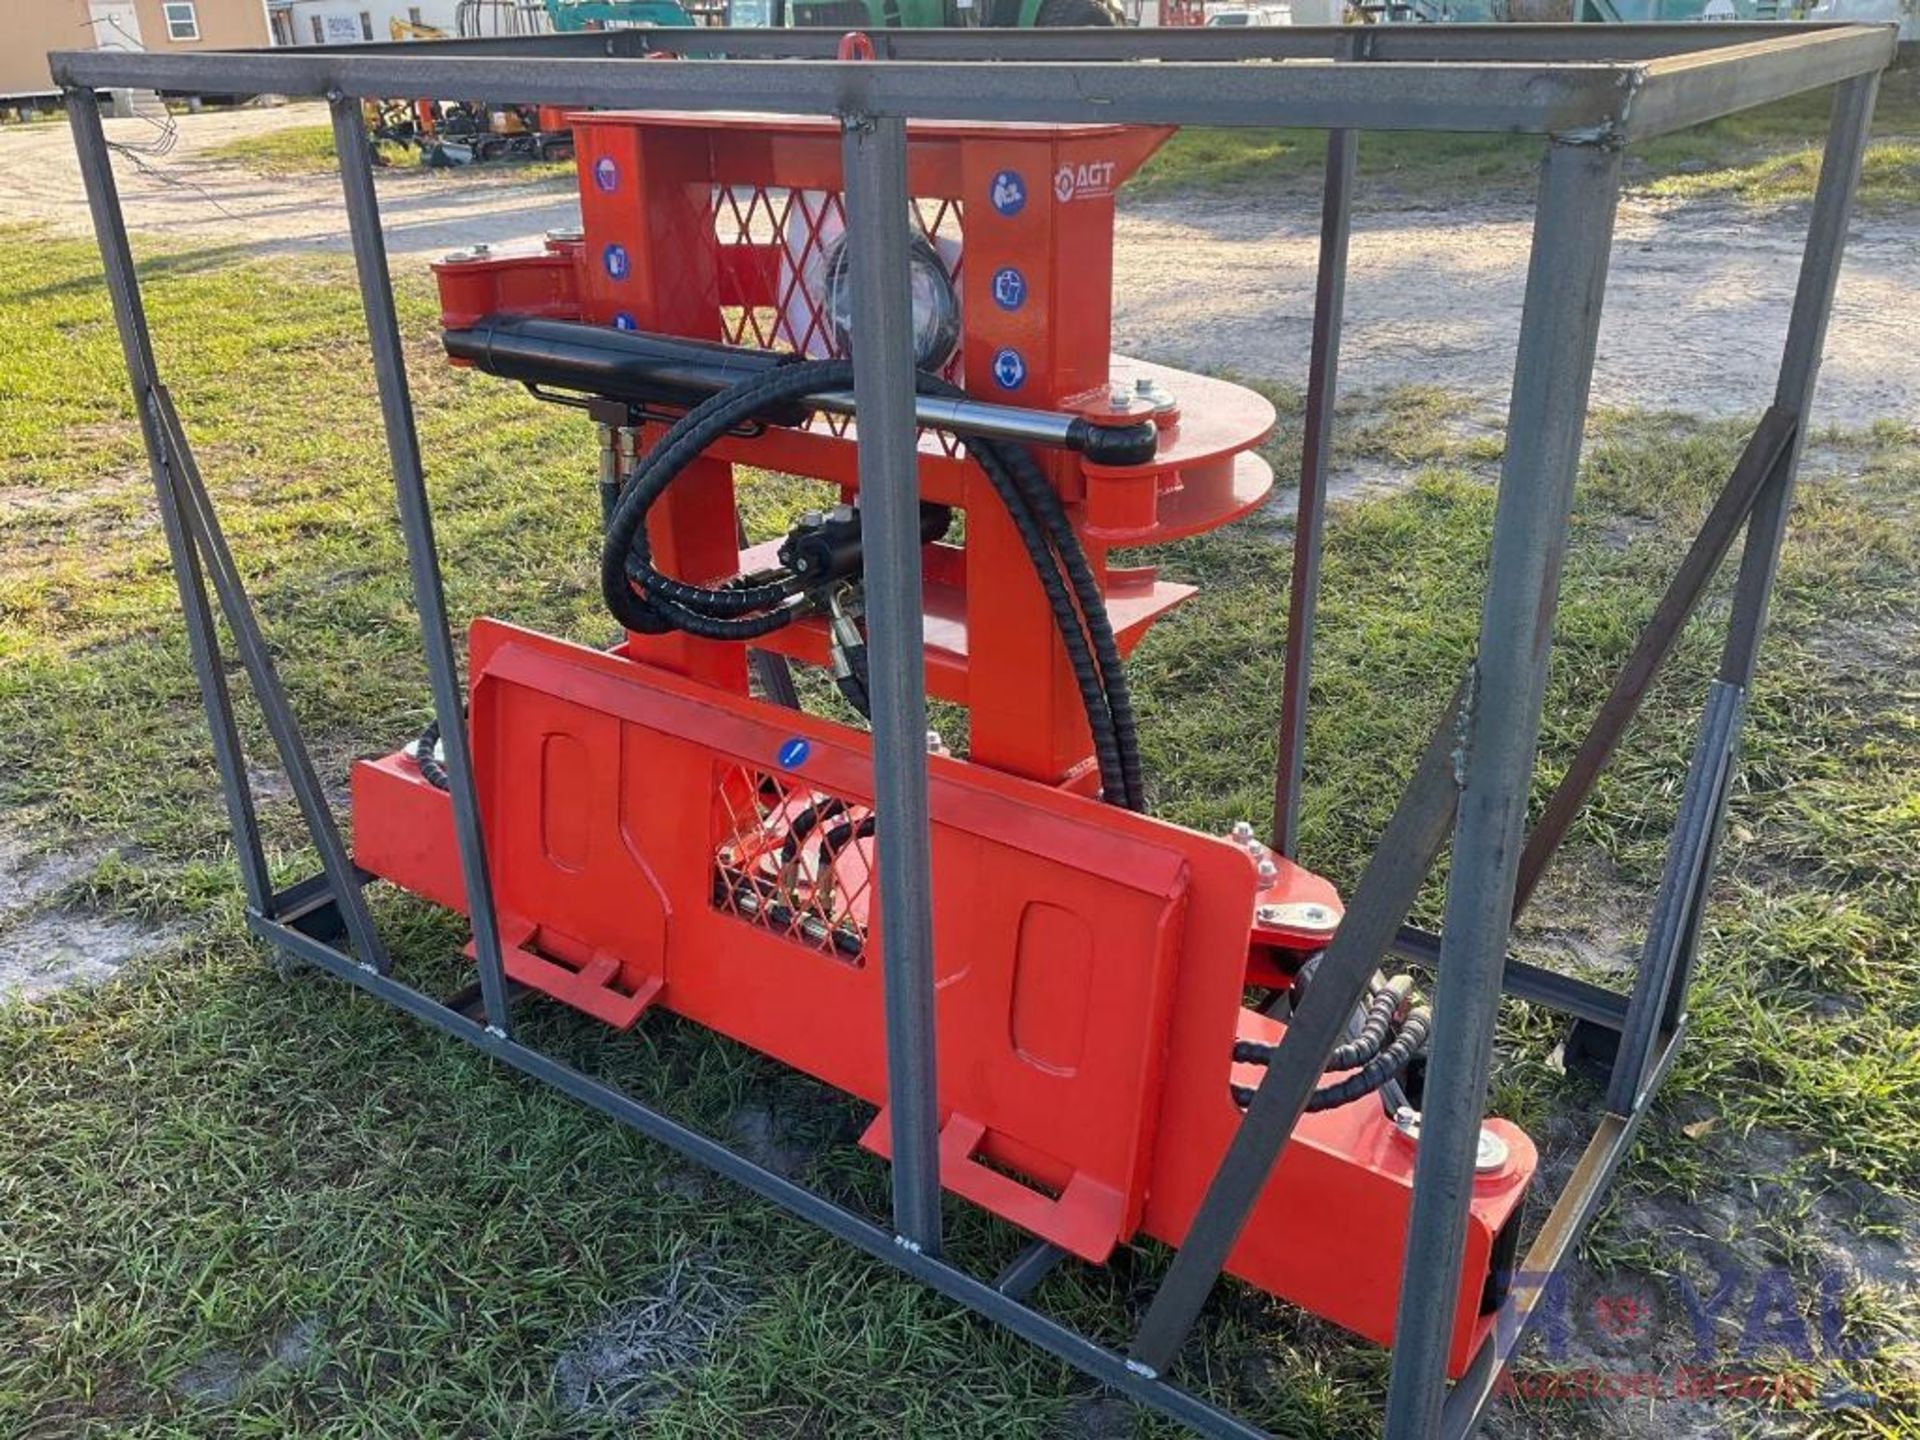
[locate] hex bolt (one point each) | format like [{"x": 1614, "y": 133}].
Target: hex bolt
[
  {"x": 1267, "y": 873},
  {"x": 1242, "y": 833}
]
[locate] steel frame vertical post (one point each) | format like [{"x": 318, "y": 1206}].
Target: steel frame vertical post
[
  {"x": 423, "y": 560},
  {"x": 203, "y": 645},
  {"x": 1847, "y": 134},
  {"x": 1553, "y": 366},
  {"x": 1800, "y": 366},
  {"x": 1310, "y": 510},
  {"x": 874, "y": 155},
  {"x": 1681, "y": 899}
]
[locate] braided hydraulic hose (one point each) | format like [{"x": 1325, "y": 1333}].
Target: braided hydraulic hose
[
  {"x": 1372, "y": 1064},
  {"x": 646, "y": 601}
]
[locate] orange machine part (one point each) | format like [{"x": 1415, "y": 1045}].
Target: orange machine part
[
  {"x": 658, "y": 838},
  {"x": 1090, "y": 962}
]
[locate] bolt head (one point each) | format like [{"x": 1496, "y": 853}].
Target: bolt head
[
  {"x": 1489, "y": 1156},
  {"x": 1267, "y": 872},
  {"x": 1143, "y": 385},
  {"x": 1242, "y": 832}
]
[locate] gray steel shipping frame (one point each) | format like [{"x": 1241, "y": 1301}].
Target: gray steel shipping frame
[{"x": 1587, "y": 91}]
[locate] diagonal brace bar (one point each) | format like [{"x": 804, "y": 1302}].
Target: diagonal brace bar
[
  {"x": 1385, "y": 894},
  {"x": 251, "y": 643},
  {"x": 1759, "y": 465}
]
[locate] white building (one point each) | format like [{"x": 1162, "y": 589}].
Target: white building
[{"x": 355, "y": 22}]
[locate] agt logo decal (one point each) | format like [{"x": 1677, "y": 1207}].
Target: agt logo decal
[{"x": 1085, "y": 181}]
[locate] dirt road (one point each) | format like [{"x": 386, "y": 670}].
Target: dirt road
[{"x": 1696, "y": 305}]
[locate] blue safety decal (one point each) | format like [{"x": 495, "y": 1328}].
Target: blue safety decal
[
  {"x": 1009, "y": 370},
  {"x": 615, "y": 259},
  {"x": 624, "y": 321},
  {"x": 1009, "y": 192},
  {"x": 793, "y": 753},
  {"x": 606, "y": 174},
  {"x": 1009, "y": 288}
]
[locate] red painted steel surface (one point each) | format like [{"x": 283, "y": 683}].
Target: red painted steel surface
[
  {"x": 1090, "y": 966},
  {"x": 659, "y": 838}
]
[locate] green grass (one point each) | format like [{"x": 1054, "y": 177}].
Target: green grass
[
  {"x": 1763, "y": 156},
  {"x": 232, "y": 1204}
]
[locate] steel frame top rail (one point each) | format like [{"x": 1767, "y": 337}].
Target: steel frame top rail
[{"x": 1464, "y": 78}]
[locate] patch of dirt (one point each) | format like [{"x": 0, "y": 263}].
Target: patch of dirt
[
  {"x": 1695, "y": 316},
  {"x": 46, "y": 947},
  {"x": 1098, "y": 1417},
  {"x": 27, "y": 877},
  {"x": 626, "y": 1365},
  {"x": 56, "y": 949},
  {"x": 223, "y": 1376},
  {"x": 214, "y": 204},
  {"x": 759, "y": 1134},
  {"x": 1739, "y": 1280}
]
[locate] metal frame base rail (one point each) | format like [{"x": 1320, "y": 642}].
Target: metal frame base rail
[{"x": 1586, "y": 91}]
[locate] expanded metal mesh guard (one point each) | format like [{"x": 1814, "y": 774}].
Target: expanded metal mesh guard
[
  {"x": 795, "y": 232},
  {"x": 793, "y": 859}
]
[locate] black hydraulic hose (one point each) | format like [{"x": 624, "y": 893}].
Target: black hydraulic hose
[
  {"x": 1040, "y": 497},
  {"x": 431, "y": 770},
  {"x": 717, "y": 613},
  {"x": 803, "y": 823},
  {"x": 841, "y": 836},
  {"x": 1377, "y": 1018},
  {"x": 1371, "y": 1076}
]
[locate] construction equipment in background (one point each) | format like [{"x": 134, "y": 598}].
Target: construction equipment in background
[
  {"x": 452, "y": 133},
  {"x": 404, "y": 30},
  {"x": 474, "y": 19}
]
